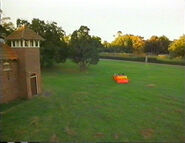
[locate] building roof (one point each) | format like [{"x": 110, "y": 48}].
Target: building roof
[
  {"x": 7, "y": 53},
  {"x": 24, "y": 33}
]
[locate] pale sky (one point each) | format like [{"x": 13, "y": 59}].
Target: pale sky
[{"x": 105, "y": 17}]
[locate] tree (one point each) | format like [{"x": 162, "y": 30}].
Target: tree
[
  {"x": 6, "y": 27},
  {"x": 84, "y": 48},
  {"x": 177, "y": 47},
  {"x": 21, "y": 22},
  {"x": 152, "y": 45},
  {"x": 128, "y": 43},
  {"x": 119, "y": 33},
  {"x": 53, "y": 48},
  {"x": 97, "y": 43},
  {"x": 122, "y": 43},
  {"x": 138, "y": 44},
  {"x": 164, "y": 44},
  {"x": 157, "y": 45},
  {"x": 67, "y": 38}
]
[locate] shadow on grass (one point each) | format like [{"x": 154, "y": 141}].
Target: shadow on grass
[
  {"x": 6, "y": 106},
  {"x": 66, "y": 68}
]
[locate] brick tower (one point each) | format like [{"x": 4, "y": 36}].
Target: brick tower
[{"x": 26, "y": 43}]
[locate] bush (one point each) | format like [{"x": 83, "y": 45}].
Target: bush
[{"x": 151, "y": 59}]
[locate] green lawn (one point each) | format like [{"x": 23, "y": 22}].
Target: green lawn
[{"x": 90, "y": 106}]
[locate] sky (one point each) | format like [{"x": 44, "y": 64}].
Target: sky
[{"x": 105, "y": 17}]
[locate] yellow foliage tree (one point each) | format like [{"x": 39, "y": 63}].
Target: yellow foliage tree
[
  {"x": 177, "y": 47},
  {"x": 129, "y": 43}
]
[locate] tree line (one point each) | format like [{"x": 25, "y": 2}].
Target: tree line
[
  {"x": 155, "y": 45},
  {"x": 84, "y": 48}
]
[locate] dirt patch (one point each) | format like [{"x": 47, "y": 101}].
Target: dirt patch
[
  {"x": 151, "y": 85},
  {"x": 178, "y": 110},
  {"x": 98, "y": 107},
  {"x": 147, "y": 133},
  {"x": 70, "y": 132},
  {"x": 54, "y": 138},
  {"x": 20, "y": 132},
  {"x": 35, "y": 121},
  {"x": 99, "y": 135},
  {"x": 116, "y": 136}
]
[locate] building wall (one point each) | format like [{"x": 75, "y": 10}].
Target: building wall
[
  {"x": 21, "y": 71},
  {"x": 29, "y": 63},
  {"x": 17, "y": 82},
  {"x": 10, "y": 86},
  {"x": 33, "y": 67}
]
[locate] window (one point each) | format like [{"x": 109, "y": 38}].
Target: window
[
  {"x": 13, "y": 43},
  {"x": 31, "y": 43},
  {"x": 33, "y": 75},
  {"x": 26, "y": 43},
  {"x": 7, "y": 69},
  {"x": 36, "y": 43},
  {"x": 16, "y": 43},
  {"x": 21, "y": 43}
]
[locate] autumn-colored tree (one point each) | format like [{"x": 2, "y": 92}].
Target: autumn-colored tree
[
  {"x": 123, "y": 43},
  {"x": 106, "y": 44},
  {"x": 177, "y": 47},
  {"x": 129, "y": 43},
  {"x": 107, "y": 47},
  {"x": 138, "y": 44}
]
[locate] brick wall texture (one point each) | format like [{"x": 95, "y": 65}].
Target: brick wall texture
[{"x": 16, "y": 83}]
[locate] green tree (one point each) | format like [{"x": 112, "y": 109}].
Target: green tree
[
  {"x": 106, "y": 47},
  {"x": 53, "y": 48},
  {"x": 97, "y": 43},
  {"x": 152, "y": 45},
  {"x": 21, "y": 22},
  {"x": 157, "y": 45},
  {"x": 177, "y": 47},
  {"x": 164, "y": 44},
  {"x": 6, "y": 28},
  {"x": 84, "y": 47}
]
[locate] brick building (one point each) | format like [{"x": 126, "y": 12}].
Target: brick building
[{"x": 20, "y": 74}]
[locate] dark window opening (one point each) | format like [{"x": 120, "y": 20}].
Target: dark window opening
[
  {"x": 13, "y": 43},
  {"x": 33, "y": 74},
  {"x": 21, "y": 43},
  {"x": 36, "y": 43},
  {"x": 26, "y": 43},
  {"x": 31, "y": 43}
]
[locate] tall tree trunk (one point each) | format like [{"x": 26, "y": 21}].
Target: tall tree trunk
[{"x": 83, "y": 66}]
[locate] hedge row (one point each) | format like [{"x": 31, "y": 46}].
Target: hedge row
[{"x": 151, "y": 59}]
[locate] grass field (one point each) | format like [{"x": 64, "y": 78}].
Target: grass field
[{"x": 90, "y": 106}]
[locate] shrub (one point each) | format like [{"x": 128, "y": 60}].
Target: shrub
[{"x": 151, "y": 59}]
